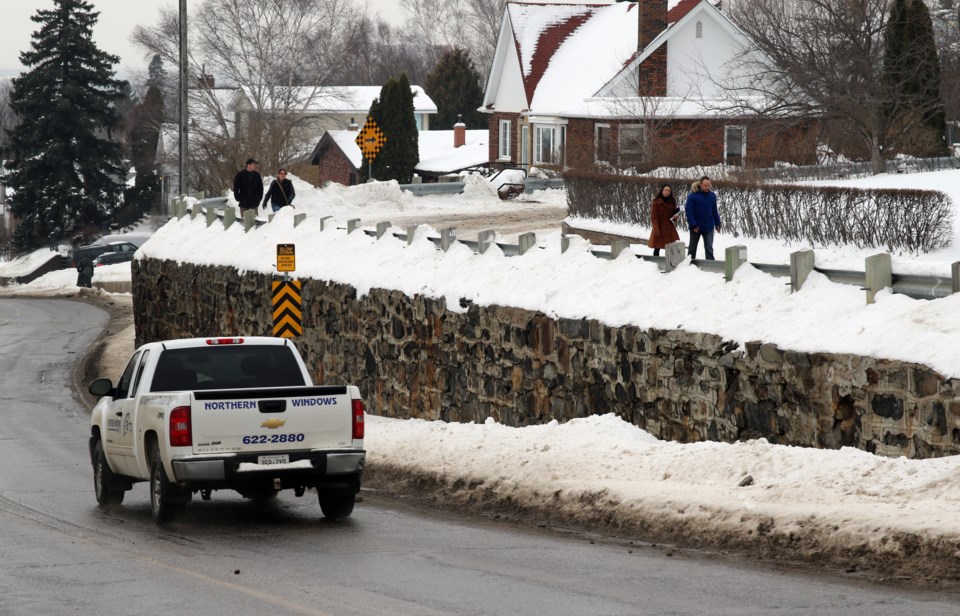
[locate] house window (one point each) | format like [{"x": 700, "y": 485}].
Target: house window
[
  {"x": 419, "y": 117},
  {"x": 699, "y": 29},
  {"x": 603, "y": 143},
  {"x": 505, "y": 128},
  {"x": 632, "y": 143},
  {"x": 734, "y": 144},
  {"x": 549, "y": 141}
]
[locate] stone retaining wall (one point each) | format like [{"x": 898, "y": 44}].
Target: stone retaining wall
[{"x": 411, "y": 357}]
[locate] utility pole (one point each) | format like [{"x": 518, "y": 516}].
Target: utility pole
[{"x": 183, "y": 97}]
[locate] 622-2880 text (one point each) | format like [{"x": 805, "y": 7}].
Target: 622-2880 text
[{"x": 260, "y": 439}]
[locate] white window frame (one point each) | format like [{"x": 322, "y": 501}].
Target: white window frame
[
  {"x": 558, "y": 143},
  {"x": 743, "y": 143},
  {"x": 611, "y": 156},
  {"x": 506, "y": 127}
]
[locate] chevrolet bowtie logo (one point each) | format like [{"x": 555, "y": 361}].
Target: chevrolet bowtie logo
[{"x": 272, "y": 423}]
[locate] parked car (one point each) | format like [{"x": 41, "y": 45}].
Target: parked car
[
  {"x": 109, "y": 258},
  {"x": 95, "y": 250}
]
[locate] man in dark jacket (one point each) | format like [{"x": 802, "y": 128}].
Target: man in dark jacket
[
  {"x": 702, "y": 216},
  {"x": 248, "y": 187}
]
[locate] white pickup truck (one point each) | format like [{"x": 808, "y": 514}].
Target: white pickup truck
[{"x": 204, "y": 414}]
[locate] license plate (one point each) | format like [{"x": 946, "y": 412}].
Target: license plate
[{"x": 270, "y": 460}]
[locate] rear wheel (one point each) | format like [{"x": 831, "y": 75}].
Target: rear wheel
[
  {"x": 335, "y": 505},
  {"x": 165, "y": 498},
  {"x": 104, "y": 481}
]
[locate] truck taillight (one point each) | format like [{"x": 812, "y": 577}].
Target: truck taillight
[
  {"x": 358, "y": 411},
  {"x": 218, "y": 341},
  {"x": 181, "y": 433}
]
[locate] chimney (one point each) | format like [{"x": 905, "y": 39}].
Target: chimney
[
  {"x": 207, "y": 81},
  {"x": 459, "y": 132},
  {"x": 652, "y": 15}
]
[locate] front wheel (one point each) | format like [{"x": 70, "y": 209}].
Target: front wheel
[
  {"x": 104, "y": 481},
  {"x": 336, "y": 505}
]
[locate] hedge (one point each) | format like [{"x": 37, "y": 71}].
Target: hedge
[{"x": 908, "y": 220}]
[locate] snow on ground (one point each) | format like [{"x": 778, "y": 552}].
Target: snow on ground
[{"x": 845, "y": 507}]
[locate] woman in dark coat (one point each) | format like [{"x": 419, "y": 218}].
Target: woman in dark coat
[
  {"x": 281, "y": 192},
  {"x": 663, "y": 212}
]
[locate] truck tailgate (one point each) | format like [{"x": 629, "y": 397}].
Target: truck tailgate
[{"x": 271, "y": 419}]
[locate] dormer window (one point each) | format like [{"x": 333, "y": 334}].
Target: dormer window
[{"x": 699, "y": 29}]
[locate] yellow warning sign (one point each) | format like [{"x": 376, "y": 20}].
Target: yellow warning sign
[
  {"x": 286, "y": 257},
  {"x": 370, "y": 139},
  {"x": 287, "y": 309}
]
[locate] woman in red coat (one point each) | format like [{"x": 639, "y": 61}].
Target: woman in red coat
[{"x": 663, "y": 212}]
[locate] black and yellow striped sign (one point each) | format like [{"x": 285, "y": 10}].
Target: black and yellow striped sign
[{"x": 287, "y": 309}]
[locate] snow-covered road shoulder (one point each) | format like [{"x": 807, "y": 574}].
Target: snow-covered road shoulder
[{"x": 848, "y": 508}]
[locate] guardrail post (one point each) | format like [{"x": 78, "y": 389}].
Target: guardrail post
[
  {"x": 801, "y": 264},
  {"x": 879, "y": 273},
  {"x": 447, "y": 238},
  {"x": 564, "y": 243},
  {"x": 734, "y": 257},
  {"x": 211, "y": 215},
  {"x": 201, "y": 195},
  {"x": 229, "y": 216},
  {"x": 352, "y": 225},
  {"x": 484, "y": 240},
  {"x": 617, "y": 247},
  {"x": 527, "y": 241},
  {"x": 249, "y": 220},
  {"x": 411, "y": 231},
  {"x": 673, "y": 255},
  {"x": 324, "y": 221},
  {"x": 299, "y": 218},
  {"x": 382, "y": 228},
  {"x": 955, "y": 272}
]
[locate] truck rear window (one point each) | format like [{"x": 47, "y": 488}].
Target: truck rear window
[{"x": 226, "y": 367}]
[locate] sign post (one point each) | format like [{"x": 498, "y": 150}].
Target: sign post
[{"x": 370, "y": 141}]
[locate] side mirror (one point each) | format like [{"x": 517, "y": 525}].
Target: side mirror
[{"x": 101, "y": 387}]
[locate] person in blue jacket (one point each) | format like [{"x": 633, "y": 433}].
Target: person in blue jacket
[{"x": 702, "y": 216}]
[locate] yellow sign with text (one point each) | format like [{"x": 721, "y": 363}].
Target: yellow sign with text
[{"x": 286, "y": 257}]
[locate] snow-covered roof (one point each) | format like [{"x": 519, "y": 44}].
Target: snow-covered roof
[
  {"x": 330, "y": 99},
  {"x": 569, "y": 52},
  {"x": 437, "y": 154}
]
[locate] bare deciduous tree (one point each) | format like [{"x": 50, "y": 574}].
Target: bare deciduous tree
[
  {"x": 824, "y": 58},
  {"x": 281, "y": 54}
]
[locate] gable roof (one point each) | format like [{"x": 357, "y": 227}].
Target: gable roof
[
  {"x": 685, "y": 11},
  {"x": 569, "y": 52}
]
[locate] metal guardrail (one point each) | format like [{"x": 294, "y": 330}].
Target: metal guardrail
[
  {"x": 452, "y": 188},
  {"x": 435, "y": 188},
  {"x": 532, "y": 184}
]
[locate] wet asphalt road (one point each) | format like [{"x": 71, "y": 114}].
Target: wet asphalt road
[{"x": 61, "y": 554}]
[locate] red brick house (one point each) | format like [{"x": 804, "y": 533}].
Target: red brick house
[{"x": 632, "y": 84}]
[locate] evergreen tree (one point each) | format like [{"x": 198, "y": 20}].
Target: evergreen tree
[
  {"x": 67, "y": 171},
  {"x": 146, "y": 119},
  {"x": 401, "y": 153},
  {"x": 912, "y": 74},
  {"x": 454, "y": 85}
]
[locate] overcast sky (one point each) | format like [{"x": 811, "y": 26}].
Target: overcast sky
[{"x": 112, "y": 32}]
